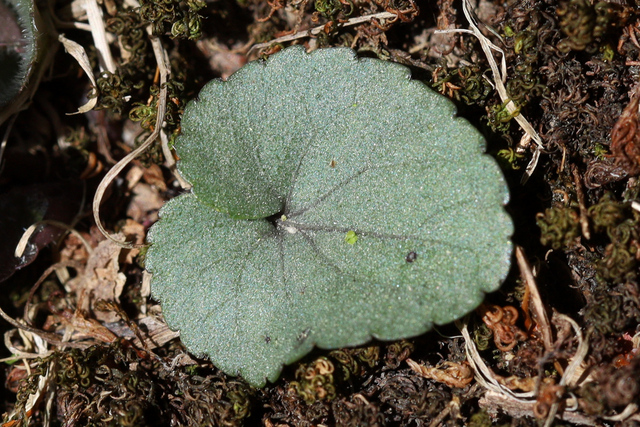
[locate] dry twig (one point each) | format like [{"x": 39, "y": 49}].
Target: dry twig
[
  {"x": 164, "y": 71},
  {"x": 584, "y": 216},
  {"x": 315, "y": 31},
  {"x": 99, "y": 34},
  {"x": 538, "y": 306}
]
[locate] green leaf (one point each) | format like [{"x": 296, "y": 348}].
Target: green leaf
[
  {"x": 334, "y": 200},
  {"x": 351, "y": 237},
  {"x": 17, "y": 46}
]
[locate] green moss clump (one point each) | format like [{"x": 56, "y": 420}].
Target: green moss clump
[
  {"x": 314, "y": 381},
  {"x": 332, "y": 9},
  {"x": 179, "y": 18},
  {"x": 559, "y": 226},
  {"x": 353, "y": 362},
  {"x": 317, "y": 381},
  {"x": 509, "y": 158},
  {"x": 499, "y": 118},
  {"x": 480, "y": 419},
  {"x": 465, "y": 84},
  {"x": 482, "y": 336},
  {"x": 621, "y": 224},
  {"x": 137, "y": 385},
  {"x": 582, "y": 23}
]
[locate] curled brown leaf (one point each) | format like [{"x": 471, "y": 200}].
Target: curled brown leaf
[{"x": 625, "y": 137}]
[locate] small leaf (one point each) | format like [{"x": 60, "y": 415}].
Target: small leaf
[
  {"x": 287, "y": 158},
  {"x": 351, "y": 237}
]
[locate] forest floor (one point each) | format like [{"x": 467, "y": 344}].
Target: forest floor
[{"x": 556, "y": 345}]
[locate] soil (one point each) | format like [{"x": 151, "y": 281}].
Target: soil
[{"x": 556, "y": 345}]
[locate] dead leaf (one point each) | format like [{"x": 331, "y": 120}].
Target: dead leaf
[
  {"x": 145, "y": 203},
  {"x": 102, "y": 279},
  {"x": 452, "y": 374},
  {"x": 625, "y": 137},
  {"x": 87, "y": 327},
  {"x": 78, "y": 52},
  {"x": 153, "y": 176},
  {"x": 136, "y": 233}
]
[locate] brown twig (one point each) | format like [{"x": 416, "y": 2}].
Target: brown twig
[
  {"x": 538, "y": 308},
  {"x": 584, "y": 216},
  {"x": 49, "y": 337},
  {"x": 316, "y": 30}
]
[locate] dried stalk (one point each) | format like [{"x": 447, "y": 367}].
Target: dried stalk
[
  {"x": 164, "y": 71},
  {"x": 24, "y": 240},
  {"x": 538, "y": 307},
  {"x": 584, "y": 216},
  {"x": 77, "y": 51},
  {"x": 500, "y": 77},
  {"x": 318, "y": 29},
  {"x": 99, "y": 34},
  {"x": 483, "y": 373},
  {"x": 569, "y": 377}
]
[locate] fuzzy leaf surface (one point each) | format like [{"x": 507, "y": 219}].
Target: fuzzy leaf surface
[
  {"x": 17, "y": 46},
  {"x": 334, "y": 200}
]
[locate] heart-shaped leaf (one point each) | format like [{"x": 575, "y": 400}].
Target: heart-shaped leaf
[{"x": 334, "y": 200}]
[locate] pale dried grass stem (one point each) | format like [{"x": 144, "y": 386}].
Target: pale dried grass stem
[
  {"x": 99, "y": 34},
  {"x": 538, "y": 307},
  {"x": 499, "y": 79},
  {"x": 316, "y": 30},
  {"x": 164, "y": 71}
]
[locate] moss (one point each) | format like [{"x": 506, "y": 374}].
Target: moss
[
  {"x": 582, "y": 23},
  {"x": 621, "y": 225},
  {"x": 397, "y": 353},
  {"x": 318, "y": 380},
  {"x": 480, "y": 419},
  {"x": 132, "y": 90},
  {"x": 332, "y": 9},
  {"x": 509, "y": 158},
  {"x": 354, "y": 362},
  {"x": 138, "y": 385},
  {"x": 179, "y": 18},
  {"x": 465, "y": 83},
  {"x": 499, "y": 118},
  {"x": 314, "y": 382},
  {"x": 357, "y": 412},
  {"x": 482, "y": 336},
  {"x": 558, "y": 226}
]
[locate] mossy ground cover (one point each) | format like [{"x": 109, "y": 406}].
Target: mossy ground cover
[{"x": 559, "y": 338}]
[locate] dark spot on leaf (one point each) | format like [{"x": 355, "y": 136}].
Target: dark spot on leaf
[
  {"x": 303, "y": 335},
  {"x": 411, "y": 256},
  {"x": 267, "y": 339}
]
